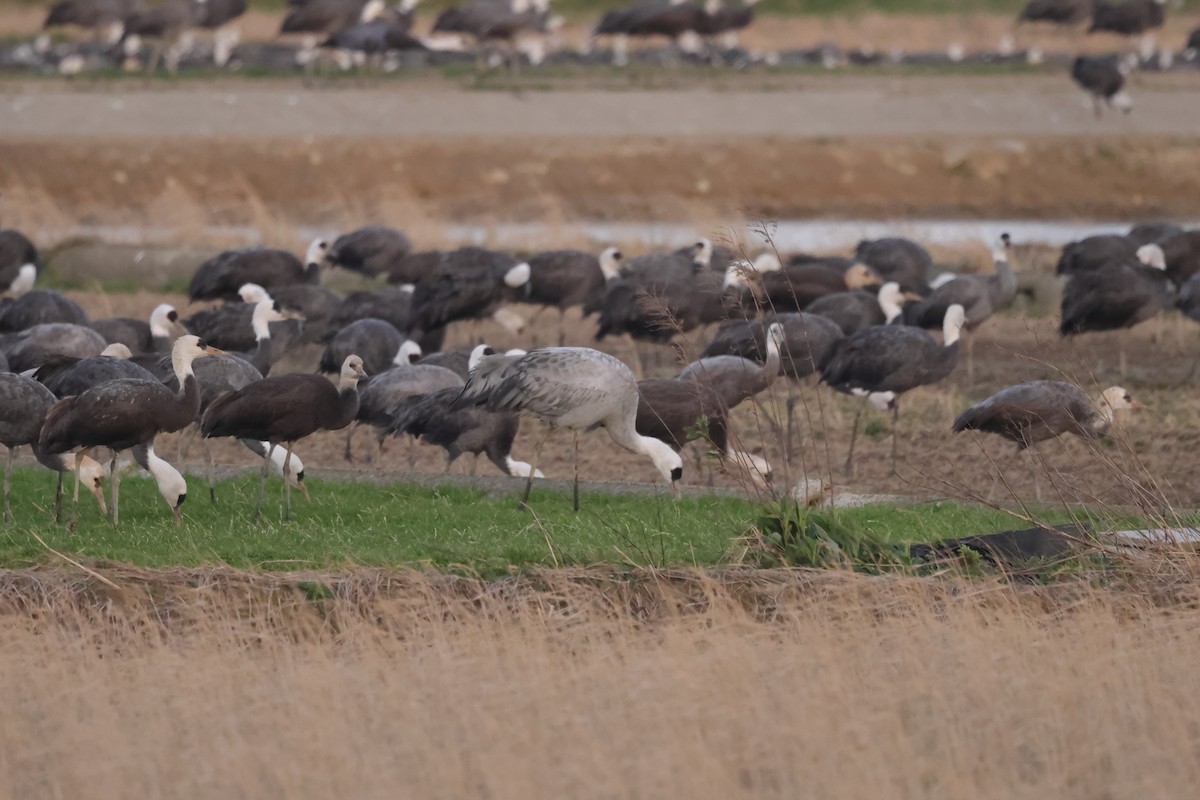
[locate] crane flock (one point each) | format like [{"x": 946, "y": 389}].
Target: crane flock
[
  {"x": 71, "y": 386},
  {"x": 354, "y": 34}
]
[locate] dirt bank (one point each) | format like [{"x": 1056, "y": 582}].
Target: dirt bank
[{"x": 186, "y": 185}]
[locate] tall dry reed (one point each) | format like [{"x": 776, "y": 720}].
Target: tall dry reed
[{"x": 586, "y": 685}]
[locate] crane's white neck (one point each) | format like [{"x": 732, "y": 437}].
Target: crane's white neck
[
  {"x": 171, "y": 484},
  {"x": 666, "y": 460},
  {"x": 408, "y": 353},
  {"x": 610, "y": 263},
  {"x": 889, "y": 301},
  {"x": 26, "y": 277},
  {"x": 295, "y": 471},
  {"x": 181, "y": 363},
  {"x": 161, "y": 319},
  {"x": 520, "y": 469},
  {"x": 952, "y": 324},
  {"x": 316, "y": 250},
  {"x": 261, "y": 321},
  {"x": 774, "y": 343}
]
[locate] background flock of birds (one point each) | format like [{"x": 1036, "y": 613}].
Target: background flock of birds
[
  {"x": 358, "y": 32},
  {"x": 70, "y": 385}
]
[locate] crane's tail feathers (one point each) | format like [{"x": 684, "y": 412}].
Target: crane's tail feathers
[{"x": 53, "y": 437}]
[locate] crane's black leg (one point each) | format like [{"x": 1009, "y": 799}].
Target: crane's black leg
[
  {"x": 208, "y": 465},
  {"x": 575, "y": 463},
  {"x": 853, "y": 435},
  {"x": 287, "y": 485},
  {"x": 116, "y": 485},
  {"x": 262, "y": 480},
  {"x": 895, "y": 438},
  {"x": 562, "y": 326},
  {"x": 58, "y": 498},
  {"x": 537, "y": 457},
  {"x": 8, "y": 515},
  {"x": 349, "y": 436}
]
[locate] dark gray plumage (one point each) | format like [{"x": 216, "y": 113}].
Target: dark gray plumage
[
  {"x": 392, "y": 304},
  {"x": 457, "y": 361},
  {"x": 139, "y": 335},
  {"x": 428, "y": 418},
  {"x": 1058, "y": 12},
  {"x": 39, "y": 307},
  {"x": 24, "y": 404},
  {"x": 858, "y": 308},
  {"x": 979, "y": 295},
  {"x": 564, "y": 279},
  {"x": 223, "y": 275},
  {"x": 896, "y": 259},
  {"x": 372, "y": 250},
  {"x": 1032, "y": 412},
  {"x": 218, "y": 13},
  {"x": 1114, "y": 297},
  {"x": 1094, "y": 252},
  {"x": 66, "y": 376},
  {"x": 98, "y": 16},
  {"x": 376, "y": 342},
  {"x": 1181, "y": 253},
  {"x": 1102, "y": 77},
  {"x": 808, "y": 341},
  {"x": 734, "y": 378},
  {"x": 18, "y": 262},
  {"x": 31, "y": 347},
  {"x": 468, "y": 283},
  {"x": 1129, "y": 17},
  {"x": 381, "y": 396},
  {"x": 1152, "y": 232}
]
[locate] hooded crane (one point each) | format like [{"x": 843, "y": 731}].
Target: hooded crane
[
  {"x": 897, "y": 259},
  {"x": 1093, "y": 252},
  {"x": 378, "y": 345},
  {"x": 381, "y": 396},
  {"x": 883, "y": 362},
  {"x": 673, "y": 20},
  {"x": 1056, "y": 12},
  {"x": 104, "y": 18},
  {"x": 1033, "y": 412},
  {"x": 125, "y": 413},
  {"x": 222, "y": 276},
  {"x": 857, "y": 309},
  {"x": 228, "y": 326},
  {"x": 807, "y": 344},
  {"x": 1103, "y": 77},
  {"x": 66, "y": 376},
  {"x": 564, "y": 279},
  {"x": 429, "y": 418},
  {"x": 1129, "y": 17},
  {"x": 40, "y": 307},
  {"x": 1180, "y": 254},
  {"x": 18, "y": 263},
  {"x": 217, "y": 16},
  {"x": 31, "y": 348},
  {"x": 733, "y": 378},
  {"x": 725, "y": 20},
  {"x": 169, "y": 24},
  {"x": 1114, "y": 297},
  {"x": 1144, "y": 233},
  {"x": 170, "y": 482},
  {"x": 228, "y": 373},
  {"x": 372, "y": 250},
  {"x": 23, "y": 406},
  {"x": 468, "y": 283},
  {"x": 139, "y": 335},
  {"x": 316, "y": 20},
  {"x": 797, "y": 286},
  {"x": 569, "y": 387},
  {"x": 283, "y": 410},
  {"x": 676, "y": 412},
  {"x": 392, "y": 304},
  {"x": 495, "y": 21}
]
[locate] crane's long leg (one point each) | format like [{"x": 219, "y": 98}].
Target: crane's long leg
[
  {"x": 116, "y": 486},
  {"x": 349, "y": 456},
  {"x": 58, "y": 499},
  {"x": 853, "y": 436},
  {"x": 895, "y": 438},
  {"x": 185, "y": 441},
  {"x": 575, "y": 463},
  {"x": 537, "y": 458},
  {"x": 262, "y": 481},
  {"x": 8, "y": 466},
  {"x": 79, "y": 456},
  {"x": 562, "y": 326},
  {"x": 208, "y": 468},
  {"x": 287, "y": 485}
]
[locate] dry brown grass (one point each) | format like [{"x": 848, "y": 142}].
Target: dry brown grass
[{"x": 594, "y": 685}]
